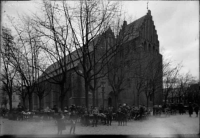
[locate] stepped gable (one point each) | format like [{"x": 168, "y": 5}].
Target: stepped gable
[{"x": 138, "y": 23}]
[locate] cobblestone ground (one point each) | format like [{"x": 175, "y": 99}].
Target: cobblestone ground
[{"x": 153, "y": 125}]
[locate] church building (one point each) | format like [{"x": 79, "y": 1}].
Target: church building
[{"x": 136, "y": 80}]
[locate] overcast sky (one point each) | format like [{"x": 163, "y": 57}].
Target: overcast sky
[{"x": 176, "y": 22}]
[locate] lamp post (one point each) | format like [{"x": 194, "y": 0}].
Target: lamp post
[{"x": 102, "y": 87}]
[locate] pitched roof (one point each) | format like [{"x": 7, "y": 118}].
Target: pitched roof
[
  {"x": 131, "y": 29},
  {"x": 56, "y": 65},
  {"x": 136, "y": 24}
]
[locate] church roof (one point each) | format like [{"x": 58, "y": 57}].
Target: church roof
[
  {"x": 136, "y": 24},
  {"x": 131, "y": 29},
  {"x": 56, "y": 66}
]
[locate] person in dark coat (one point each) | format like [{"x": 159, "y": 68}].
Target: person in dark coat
[
  {"x": 124, "y": 116},
  {"x": 104, "y": 117},
  {"x": 141, "y": 111},
  {"x": 73, "y": 118},
  {"x": 190, "y": 108},
  {"x": 109, "y": 116},
  {"x": 119, "y": 117},
  {"x": 86, "y": 118},
  {"x": 95, "y": 113},
  {"x": 196, "y": 109},
  {"x": 60, "y": 123}
]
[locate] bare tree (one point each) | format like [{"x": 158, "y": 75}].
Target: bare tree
[
  {"x": 9, "y": 72},
  {"x": 81, "y": 40},
  {"x": 183, "y": 82},
  {"x": 192, "y": 94},
  {"x": 41, "y": 92},
  {"x": 169, "y": 79},
  {"x": 154, "y": 75},
  {"x": 54, "y": 32},
  {"x": 11, "y": 76},
  {"x": 20, "y": 88},
  {"x": 25, "y": 58},
  {"x": 117, "y": 77},
  {"x": 124, "y": 59},
  {"x": 89, "y": 23},
  {"x": 4, "y": 97}
]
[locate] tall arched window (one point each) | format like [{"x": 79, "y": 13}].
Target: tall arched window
[{"x": 149, "y": 48}]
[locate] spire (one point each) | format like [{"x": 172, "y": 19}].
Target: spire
[
  {"x": 124, "y": 16},
  {"x": 148, "y": 11}
]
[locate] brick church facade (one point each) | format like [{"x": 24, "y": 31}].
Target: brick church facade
[{"x": 142, "y": 66}]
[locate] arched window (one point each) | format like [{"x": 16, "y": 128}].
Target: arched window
[{"x": 149, "y": 47}]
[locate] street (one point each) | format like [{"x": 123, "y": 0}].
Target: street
[{"x": 153, "y": 125}]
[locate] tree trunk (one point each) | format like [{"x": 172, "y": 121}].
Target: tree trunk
[
  {"x": 138, "y": 99},
  {"x": 93, "y": 98},
  {"x": 147, "y": 103},
  {"x": 10, "y": 103},
  {"x": 86, "y": 95},
  {"x": 40, "y": 103},
  {"x": 30, "y": 101},
  {"x": 153, "y": 103}
]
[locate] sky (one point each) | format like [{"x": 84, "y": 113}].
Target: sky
[{"x": 176, "y": 22}]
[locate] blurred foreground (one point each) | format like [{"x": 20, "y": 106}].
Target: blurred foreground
[{"x": 151, "y": 126}]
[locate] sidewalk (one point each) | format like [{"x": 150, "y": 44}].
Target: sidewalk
[{"x": 152, "y": 126}]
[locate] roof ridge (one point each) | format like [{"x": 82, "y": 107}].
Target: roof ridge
[{"x": 137, "y": 20}]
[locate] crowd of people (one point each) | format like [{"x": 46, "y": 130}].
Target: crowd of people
[
  {"x": 95, "y": 116},
  {"x": 171, "y": 109}
]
